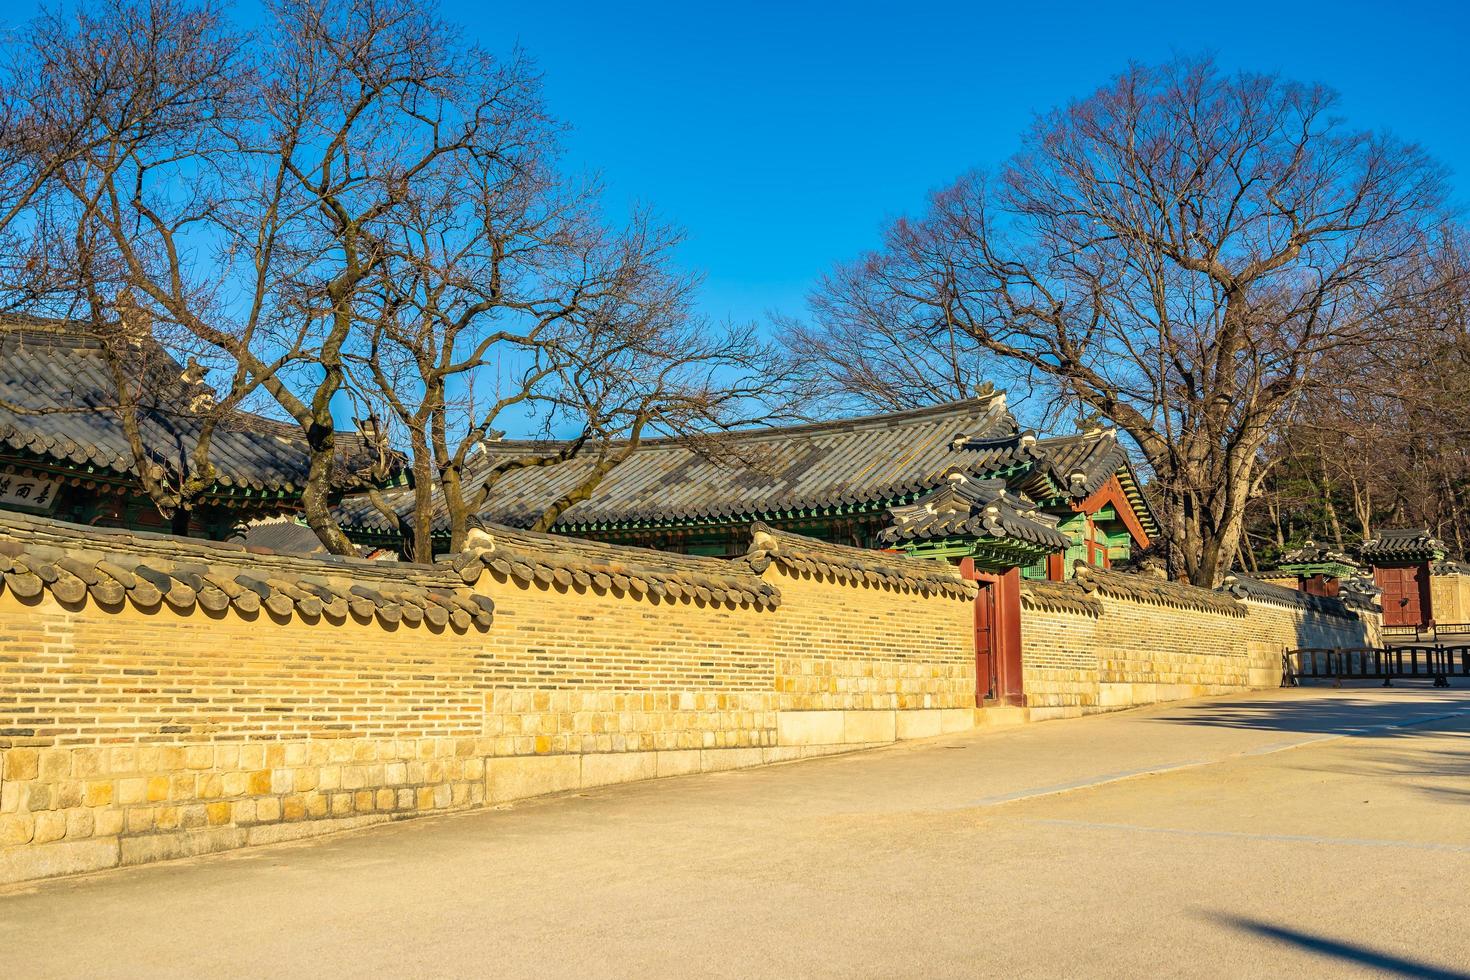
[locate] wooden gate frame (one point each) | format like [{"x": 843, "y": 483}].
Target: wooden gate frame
[{"x": 1001, "y": 593}]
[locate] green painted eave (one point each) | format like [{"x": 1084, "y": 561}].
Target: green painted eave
[{"x": 1331, "y": 569}]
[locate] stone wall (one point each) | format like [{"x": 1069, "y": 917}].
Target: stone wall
[
  {"x": 1449, "y": 596},
  {"x": 1096, "y": 648},
  {"x": 162, "y": 698},
  {"x": 139, "y": 725}
]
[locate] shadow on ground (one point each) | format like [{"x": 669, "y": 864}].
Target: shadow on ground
[
  {"x": 1343, "y": 715},
  {"x": 1346, "y": 952}
]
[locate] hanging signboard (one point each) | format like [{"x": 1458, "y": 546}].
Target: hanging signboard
[{"x": 32, "y": 493}]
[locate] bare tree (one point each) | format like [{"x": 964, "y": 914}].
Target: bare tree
[
  {"x": 352, "y": 205},
  {"x": 1178, "y": 252},
  {"x": 541, "y": 310}
]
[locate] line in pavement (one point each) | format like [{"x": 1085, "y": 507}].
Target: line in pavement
[
  {"x": 1112, "y": 777},
  {"x": 1243, "y": 835}
]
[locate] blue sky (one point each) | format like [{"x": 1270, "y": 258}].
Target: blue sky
[{"x": 782, "y": 135}]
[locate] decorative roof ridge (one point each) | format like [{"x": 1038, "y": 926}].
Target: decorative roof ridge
[
  {"x": 1158, "y": 591},
  {"x": 1249, "y": 588},
  {"x": 1449, "y": 567},
  {"x": 1310, "y": 552},
  {"x": 1067, "y": 597},
  {"x": 1403, "y": 544},
  {"x": 964, "y": 507},
  {"x": 843, "y": 563},
  {"x": 531, "y": 557},
  {"x": 74, "y": 561},
  {"x": 755, "y": 433},
  {"x": 1100, "y": 432}
]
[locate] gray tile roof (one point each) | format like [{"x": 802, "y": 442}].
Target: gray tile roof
[
  {"x": 1078, "y": 465},
  {"x": 799, "y": 553},
  {"x": 1151, "y": 589},
  {"x": 77, "y": 564},
  {"x": 555, "y": 560},
  {"x": 1410, "y": 544},
  {"x": 1246, "y": 587},
  {"x": 745, "y": 475},
  {"x": 1312, "y": 553},
  {"x": 58, "y": 369}
]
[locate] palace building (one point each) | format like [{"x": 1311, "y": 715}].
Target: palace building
[
  {"x": 65, "y": 453},
  {"x": 1036, "y": 504}
]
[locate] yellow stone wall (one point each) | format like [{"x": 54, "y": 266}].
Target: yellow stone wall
[
  {"x": 1449, "y": 598},
  {"x": 1136, "y": 653},
  {"x": 129, "y": 736}
]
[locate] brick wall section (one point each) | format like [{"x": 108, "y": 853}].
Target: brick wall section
[
  {"x": 1131, "y": 653},
  {"x": 130, "y": 735},
  {"x": 134, "y": 734},
  {"x": 1449, "y": 598}
]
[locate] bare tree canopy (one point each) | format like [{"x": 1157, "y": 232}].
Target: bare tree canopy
[
  {"x": 349, "y": 208},
  {"x": 1178, "y": 252},
  {"x": 1382, "y": 439}
]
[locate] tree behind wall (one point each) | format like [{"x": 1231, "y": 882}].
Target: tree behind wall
[
  {"x": 1177, "y": 252},
  {"x": 350, "y": 203}
]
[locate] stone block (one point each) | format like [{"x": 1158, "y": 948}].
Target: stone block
[
  {"x": 678, "y": 762},
  {"x": 78, "y": 822},
  {"x": 166, "y": 847},
  {"x": 809, "y": 728},
  {"x": 518, "y": 777},
  {"x": 61, "y": 858},
  {"x": 921, "y": 723},
  {"x": 97, "y": 793},
  {"x": 22, "y": 764},
  {"x": 618, "y": 767},
  {"x": 55, "y": 764},
  {"x": 281, "y": 832},
  {"x": 107, "y": 823},
  {"x": 50, "y": 826},
  {"x": 716, "y": 760},
  {"x": 868, "y": 726},
  {"x": 998, "y": 716},
  {"x": 952, "y": 720},
  {"x": 16, "y": 828}
]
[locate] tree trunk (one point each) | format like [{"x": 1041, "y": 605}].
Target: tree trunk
[
  {"x": 316, "y": 496},
  {"x": 422, "y": 547}
]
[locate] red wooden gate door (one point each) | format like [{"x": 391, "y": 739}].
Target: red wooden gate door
[
  {"x": 984, "y": 642},
  {"x": 1405, "y": 595}
]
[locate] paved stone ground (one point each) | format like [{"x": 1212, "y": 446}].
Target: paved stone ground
[{"x": 1310, "y": 832}]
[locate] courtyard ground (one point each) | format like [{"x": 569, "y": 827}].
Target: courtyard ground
[{"x": 1284, "y": 833}]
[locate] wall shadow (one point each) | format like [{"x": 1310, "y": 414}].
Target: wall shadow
[
  {"x": 1358, "y": 954},
  {"x": 1345, "y": 714}
]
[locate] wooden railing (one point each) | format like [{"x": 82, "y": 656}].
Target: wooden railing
[
  {"x": 1428, "y": 633},
  {"x": 1436, "y": 663}
]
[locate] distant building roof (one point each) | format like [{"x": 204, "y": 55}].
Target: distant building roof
[
  {"x": 59, "y": 372},
  {"x": 1402, "y": 545},
  {"x": 1247, "y": 587}
]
